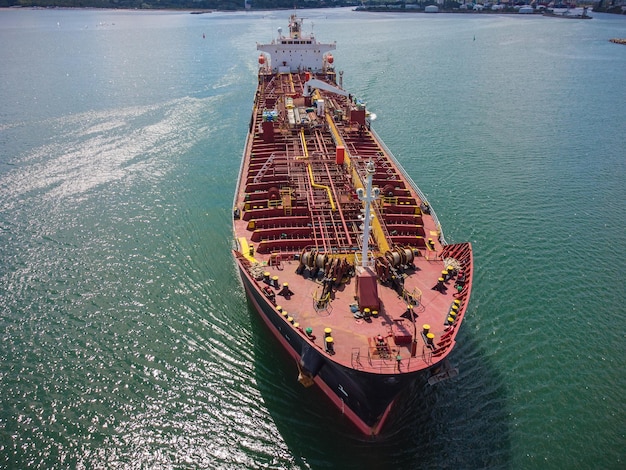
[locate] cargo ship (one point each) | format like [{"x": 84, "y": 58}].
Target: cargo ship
[{"x": 338, "y": 250}]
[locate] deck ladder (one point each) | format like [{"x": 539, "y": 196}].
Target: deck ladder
[{"x": 264, "y": 168}]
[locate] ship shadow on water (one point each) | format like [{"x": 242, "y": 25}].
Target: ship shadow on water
[{"x": 459, "y": 423}]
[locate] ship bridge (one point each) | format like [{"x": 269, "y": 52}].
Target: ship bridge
[{"x": 297, "y": 52}]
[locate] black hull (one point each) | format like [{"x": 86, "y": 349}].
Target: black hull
[{"x": 365, "y": 398}]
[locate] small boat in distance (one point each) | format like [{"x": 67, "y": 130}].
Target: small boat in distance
[{"x": 338, "y": 250}]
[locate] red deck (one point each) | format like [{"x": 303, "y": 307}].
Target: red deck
[
  {"x": 356, "y": 341},
  {"x": 299, "y": 221}
]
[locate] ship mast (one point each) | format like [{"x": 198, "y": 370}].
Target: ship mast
[
  {"x": 295, "y": 25},
  {"x": 368, "y": 196}
]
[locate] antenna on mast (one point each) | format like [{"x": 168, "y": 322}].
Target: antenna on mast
[{"x": 368, "y": 195}]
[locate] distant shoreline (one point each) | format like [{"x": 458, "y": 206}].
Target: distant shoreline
[
  {"x": 381, "y": 9},
  {"x": 182, "y": 10},
  {"x": 506, "y": 11}
]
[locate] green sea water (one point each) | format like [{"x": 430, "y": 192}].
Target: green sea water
[{"x": 127, "y": 341}]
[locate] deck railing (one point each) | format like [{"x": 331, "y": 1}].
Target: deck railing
[{"x": 388, "y": 365}]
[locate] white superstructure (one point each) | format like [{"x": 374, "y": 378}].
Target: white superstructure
[{"x": 297, "y": 52}]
